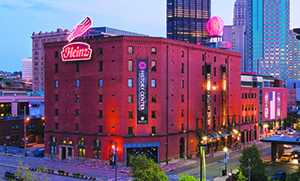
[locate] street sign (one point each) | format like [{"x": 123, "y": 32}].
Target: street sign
[
  {"x": 227, "y": 155},
  {"x": 225, "y": 160},
  {"x": 7, "y": 137},
  {"x": 220, "y": 162}
]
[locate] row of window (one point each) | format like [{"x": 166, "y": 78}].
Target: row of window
[
  {"x": 249, "y": 107},
  {"x": 248, "y": 95}
]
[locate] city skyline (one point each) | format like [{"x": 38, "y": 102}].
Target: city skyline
[{"x": 140, "y": 17}]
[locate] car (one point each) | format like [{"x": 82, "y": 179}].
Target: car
[
  {"x": 286, "y": 157},
  {"x": 11, "y": 175},
  {"x": 296, "y": 153},
  {"x": 287, "y": 146},
  {"x": 279, "y": 175},
  {"x": 291, "y": 131},
  {"x": 280, "y": 135},
  {"x": 39, "y": 152}
]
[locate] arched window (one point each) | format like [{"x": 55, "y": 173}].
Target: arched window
[
  {"x": 97, "y": 149},
  {"x": 130, "y": 65},
  {"x": 36, "y": 53},
  {"x": 81, "y": 147},
  {"x": 53, "y": 145}
]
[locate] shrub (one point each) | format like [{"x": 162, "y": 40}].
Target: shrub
[
  {"x": 81, "y": 176},
  {"x": 67, "y": 173}
]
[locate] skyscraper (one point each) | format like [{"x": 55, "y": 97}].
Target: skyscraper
[
  {"x": 239, "y": 14},
  {"x": 293, "y": 56},
  {"x": 186, "y": 20},
  {"x": 267, "y": 35},
  {"x": 26, "y": 68}
]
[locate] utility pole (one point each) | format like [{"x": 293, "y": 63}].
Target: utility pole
[{"x": 25, "y": 149}]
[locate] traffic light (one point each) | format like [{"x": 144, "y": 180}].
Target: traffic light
[{"x": 297, "y": 30}]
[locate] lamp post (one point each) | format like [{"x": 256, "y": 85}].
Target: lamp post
[
  {"x": 249, "y": 169},
  {"x": 202, "y": 158},
  {"x": 25, "y": 149},
  {"x": 115, "y": 158},
  {"x": 225, "y": 160}
]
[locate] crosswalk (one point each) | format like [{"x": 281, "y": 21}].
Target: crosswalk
[{"x": 174, "y": 177}]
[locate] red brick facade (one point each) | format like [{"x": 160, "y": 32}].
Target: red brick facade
[{"x": 179, "y": 91}]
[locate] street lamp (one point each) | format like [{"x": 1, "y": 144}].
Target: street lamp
[
  {"x": 114, "y": 148},
  {"x": 225, "y": 160},
  {"x": 25, "y": 122},
  {"x": 249, "y": 169},
  {"x": 202, "y": 158}
]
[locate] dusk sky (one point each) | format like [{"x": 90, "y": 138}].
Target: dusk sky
[{"x": 20, "y": 18}]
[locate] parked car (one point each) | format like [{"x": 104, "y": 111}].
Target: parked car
[
  {"x": 39, "y": 152},
  {"x": 279, "y": 175},
  {"x": 11, "y": 175},
  {"x": 286, "y": 157},
  {"x": 296, "y": 153},
  {"x": 280, "y": 135},
  {"x": 287, "y": 146},
  {"x": 291, "y": 131}
]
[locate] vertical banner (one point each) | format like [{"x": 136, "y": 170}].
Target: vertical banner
[
  {"x": 266, "y": 105},
  {"x": 278, "y": 104},
  {"x": 208, "y": 96},
  {"x": 272, "y": 105},
  {"x": 142, "y": 91}
]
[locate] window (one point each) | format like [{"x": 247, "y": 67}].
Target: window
[
  {"x": 97, "y": 149},
  {"x": 77, "y": 83},
  {"x": 56, "y": 112},
  {"x": 202, "y": 70},
  {"x": 36, "y": 63},
  {"x": 203, "y": 57},
  {"x": 77, "y": 112},
  {"x": 76, "y": 127},
  {"x": 77, "y": 98},
  {"x": 130, "y": 65},
  {"x": 153, "y": 83},
  {"x": 153, "y": 66},
  {"x": 182, "y": 54},
  {"x": 100, "y": 114},
  {"x": 153, "y": 130},
  {"x": 182, "y": 98},
  {"x": 56, "y": 54},
  {"x": 245, "y": 95},
  {"x": 182, "y": 84},
  {"x": 56, "y": 83},
  {"x": 202, "y": 111},
  {"x": 153, "y": 51},
  {"x": 100, "y": 51},
  {"x": 215, "y": 110},
  {"x": 130, "y": 99},
  {"x": 130, "y": 114},
  {"x": 242, "y": 107},
  {"x": 100, "y": 83},
  {"x": 130, "y": 50},
  {"x": 203, "y": 97},
  {"x": 17, "y": 127},
  {"x": 182, "y": 127},
  {"x": 81, "y": 147},
  {"x": 130, "y": 82},
  {"x": 242, "y": 95},
  {"x": 56, "y": 68},
  {"x": 100, "y": 66},
  {"x": 13, "y": 128},
  {"x": 182, "y": 113},
  {"x": 153, "y": 114},
  {"x": 215, "y": 71},
  {"x": 77, "y": 67},
  {"x": 153, "y": 98},
  {"x": 56, "y": 126},
  {"x": 215, "y": 59},
  {"x": 100, "y": 98},
  {"x": 100, "y": 129},
  {"x": 130, "y": 130},
  {"x": 56, "y": 97},
  {"x": 182, "y": 68}
]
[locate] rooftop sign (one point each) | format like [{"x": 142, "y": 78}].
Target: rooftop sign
[
  {"x": 76, "y": 51},
  {"x": 215, "y": 26},
  {"x": 80, "y": 29}
]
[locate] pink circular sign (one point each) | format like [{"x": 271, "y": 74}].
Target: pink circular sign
[{"x": 215, "y": 26}]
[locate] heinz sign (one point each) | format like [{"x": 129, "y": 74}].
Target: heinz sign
[{"x": 76, "y": 51}]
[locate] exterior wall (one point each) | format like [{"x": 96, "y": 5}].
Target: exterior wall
[
  {"x": 12, "y": 131},
  {"x": 38, "y": 40},
  {"x": 26, "y": 68},
  {"x": 291, "y": 99},
  {"x": 178, "y": 74}
]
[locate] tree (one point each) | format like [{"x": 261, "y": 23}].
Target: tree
[
  {"x": 298, "y": 127},
  {"x": 188, "y": 177},
  {"x": 294, "y": 176},
  {"x": 144, "y": 169},
  {"x": 241, "y": 177},
  {"x": 25, "y": 175},
  {"x": 257, "y": 165},
  {"x": 288, "y": 122}
]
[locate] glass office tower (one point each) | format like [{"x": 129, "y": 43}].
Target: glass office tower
[{"x": 186, "y": 20}]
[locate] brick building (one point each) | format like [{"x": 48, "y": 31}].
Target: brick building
[{"x": 191, "y": 92}]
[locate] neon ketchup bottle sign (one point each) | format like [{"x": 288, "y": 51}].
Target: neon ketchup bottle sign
[
  {"x": 80, "y": 29},
  {"x": 76, "y": 51}
]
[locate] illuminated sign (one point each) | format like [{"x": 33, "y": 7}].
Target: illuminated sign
[
  {"x": 278, "y": 104},
  {"x": 266, "y": 105},
  {"x": 215, "y": 26},
  {"x": 208, "y": 94},
  {"x": 80, "y": 29},
  {"x": 142, "y": 91},
  {"x": 76, "y": 51}
]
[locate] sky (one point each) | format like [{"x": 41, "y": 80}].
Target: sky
[{"x": 23, "y": 17}]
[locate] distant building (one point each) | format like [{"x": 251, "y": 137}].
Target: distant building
[
  {"x": 293, "y": 58},
  {"x": 236, "y": 36},
  {"x": 14, "y": 84},
  {"x": 239, "y": 12},
  {"x": 186, "y": 20},
  {"x": 27, "y": 69},
  {"x": 267, "y": 28}
]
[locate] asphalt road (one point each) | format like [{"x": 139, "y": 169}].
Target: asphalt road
[{"x": 214, "y": 168}]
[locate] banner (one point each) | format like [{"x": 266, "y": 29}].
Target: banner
[
  {"x": 266, "y": 105},
  {"x": 272, "y": 105},
  {"x": 142, "y": 91},
  {"x": 278, "y": 104}
]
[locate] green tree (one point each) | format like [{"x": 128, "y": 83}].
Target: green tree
[
  {"x": 144, "y": 169},
  {"x": 241, "y": 177},
  {"x": 188, "y": 177},
  {"x": 257, "y": 165},
  {"x": 288, "y": 122},
  {"x": 294, "y": 176},
  {"x": 298, "y": 127},
  {"x": 23, "y": 171}
]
